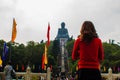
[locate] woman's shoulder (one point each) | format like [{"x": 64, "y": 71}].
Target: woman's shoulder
[
  {"x": 78, "y": 40},
  {"x": 97, "y": 39}
]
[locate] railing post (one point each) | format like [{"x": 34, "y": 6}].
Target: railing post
[
  {"x": 48, "y": 73},
  {"x": 110, "y": 74},
  {"x": 28, "y": 72}
]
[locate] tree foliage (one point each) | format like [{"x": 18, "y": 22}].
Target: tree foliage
[
  {"x": 111, "y": 53},
  {"x": 32, "y": 52}
]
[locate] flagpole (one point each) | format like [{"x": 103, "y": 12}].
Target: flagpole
[
  {"x": 14, "y": 33},
  {"x": 47, "y": 44},
  {"x": 10, "y": 51}
]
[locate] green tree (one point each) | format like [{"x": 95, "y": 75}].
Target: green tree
[
  {"x": 1, "y": 46},
  {"x": 111, "y": 52},
  {"x": 69, "y": 47},
  {"x": 56, "y": 49}
]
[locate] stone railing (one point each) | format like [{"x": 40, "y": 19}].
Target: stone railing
[
  {"x": 28, "y": 75},
  {"x": 110, "y": 75}
]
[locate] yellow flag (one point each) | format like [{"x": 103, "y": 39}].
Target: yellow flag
[
  {"x": 14, "y": 30},
  {"x": 104, "y": 68},
  {"x": 76, "y": 67},
  {"x": 46, "y": 60},
  {"x": 44, "y": 67},
  {"x": 0, "y": 62}
]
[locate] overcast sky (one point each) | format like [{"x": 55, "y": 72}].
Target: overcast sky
[{"x": 32, "y": 17}]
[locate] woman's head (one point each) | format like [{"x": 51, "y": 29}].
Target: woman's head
[{"x": 88, "y": 31}]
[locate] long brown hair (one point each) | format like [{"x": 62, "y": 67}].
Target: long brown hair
[{"x": 88, "y": 31}]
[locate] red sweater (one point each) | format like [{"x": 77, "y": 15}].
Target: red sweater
[{"x": 89, "y": 55}]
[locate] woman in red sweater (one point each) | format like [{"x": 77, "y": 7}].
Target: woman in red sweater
[{"x": 88, "y": 49}]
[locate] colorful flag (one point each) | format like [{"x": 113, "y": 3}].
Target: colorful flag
[
  {"x": 76, "y": 67},
  {"x": 44, "y": 56},
  {"x": 43, "y": 61},
  {"x": 118, "y": 69},
  {"x": 0, "y": 62},
  {"x": 104, "y": 69},
  {"x": 46, "y": 60},
  {"x": 48, "y": 35},
  {"x": 33, "y": 67},
  {"x": 51, "y": 67},
  {"x": 45, "y": 67},
  {"x": 17, "y": 67},
  {"x": 23, "y": 67},
  {"x": 14, "y": 31},
  {"x": 5, "y": 52},
  {"x": 114, "y": 68}
]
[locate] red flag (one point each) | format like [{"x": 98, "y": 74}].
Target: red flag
[
  {"x": 23, "y": 67},
  {"x": 48, "y": 35},
  {"x": 51, "y": 67},
  {"x": 43, "y": 60}
]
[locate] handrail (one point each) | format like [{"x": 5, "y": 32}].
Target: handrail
[{"x": 28, "y": 75}]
